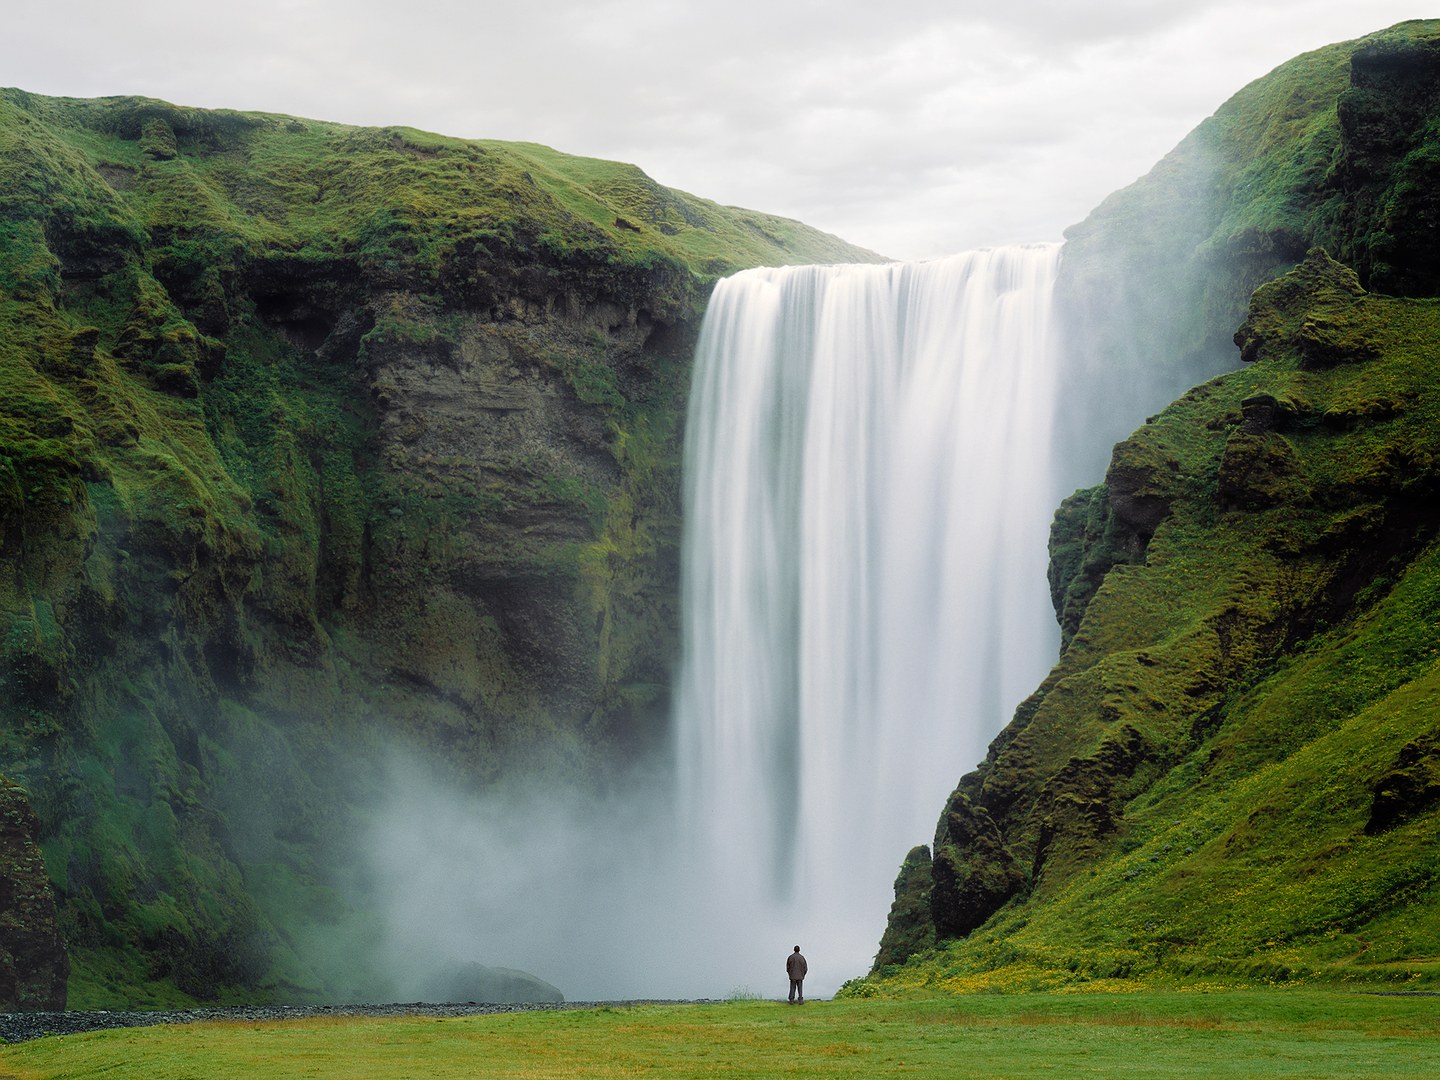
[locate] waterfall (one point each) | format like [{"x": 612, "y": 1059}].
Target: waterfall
[
  {"x": 868, "y": 493},
  {"x": 867, "y": 497}
]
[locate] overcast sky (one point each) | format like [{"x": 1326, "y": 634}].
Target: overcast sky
[{"x": 916, "y": 129}]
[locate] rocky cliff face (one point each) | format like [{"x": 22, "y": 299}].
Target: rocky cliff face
[
  {"x": 316, "y": 443},
  {"x": 1228, "y": 774},
  {"x": 34, "y": 965}
]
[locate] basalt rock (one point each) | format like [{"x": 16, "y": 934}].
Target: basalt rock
[
  {"x": 1080, "y": 807},
  {"x": 910, "y": 928},
  {"x": 1409, "y": 788},
  {"x": 1383, "y": 166},
  {"x": 34, "y": 963},
  {"x": 1257, "y": 471},
  {"x": 972, "y": 873},
  {"x": 1309, "y": 314}
]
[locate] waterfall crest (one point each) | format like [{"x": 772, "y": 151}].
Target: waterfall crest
[{"x": 868, "y": 493}]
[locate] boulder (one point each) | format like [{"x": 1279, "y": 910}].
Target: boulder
[
  {"x": 910, "y": 929},
  {"x": 492, "y": 985}
]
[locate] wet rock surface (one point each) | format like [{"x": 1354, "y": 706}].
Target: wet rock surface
[
  {"x": 21, "y": 1027},
  {"x": 34, "y": 965}
]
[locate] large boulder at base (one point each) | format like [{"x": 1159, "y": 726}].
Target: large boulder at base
[
  {"x": 492, "y": 985},
  {"x": 910, "y": 929},
  {"x": 973, "y": 874},
  {"x": 34, "y": 966}
]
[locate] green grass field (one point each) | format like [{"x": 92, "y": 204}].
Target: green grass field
[{"x": 1153, "y": 1034}]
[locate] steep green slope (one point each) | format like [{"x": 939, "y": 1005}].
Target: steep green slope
[
  {"x": 1233, "y": 772},
  {"x": 1334, "y": 148},
  {"x": 316, "y": 441}
]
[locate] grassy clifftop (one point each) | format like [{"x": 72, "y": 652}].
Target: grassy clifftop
[
  {"x": 393, "y": 198},
  {"x": 1233, "y": 772},
  {"x": 316, "y": 440}
]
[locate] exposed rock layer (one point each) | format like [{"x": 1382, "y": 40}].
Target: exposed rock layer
[{"x": 34, "y": 965}]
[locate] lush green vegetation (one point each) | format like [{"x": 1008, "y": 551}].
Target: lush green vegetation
[
  {"x": 407, "y": 206},
  {"x": 1252, "y": 1035}
]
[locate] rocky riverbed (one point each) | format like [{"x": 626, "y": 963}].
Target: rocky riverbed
[{"x": 23, "y": 1026}]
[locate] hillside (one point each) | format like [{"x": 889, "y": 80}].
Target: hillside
[
  {"x": 1333, "y": 148},
  {"x": 315, "y": 442},
  {"x": 1233, "y": 772}
]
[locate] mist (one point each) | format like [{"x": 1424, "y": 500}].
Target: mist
[{"x": 596, "y": 894}]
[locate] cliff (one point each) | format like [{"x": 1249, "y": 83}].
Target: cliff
[
  {"x": 1231, "y": 773},
  {"x": 1331, "y": 149},
  {"x": 316, "y": 441}
]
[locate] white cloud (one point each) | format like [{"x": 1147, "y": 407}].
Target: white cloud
[{"x": 946, "y": 125}]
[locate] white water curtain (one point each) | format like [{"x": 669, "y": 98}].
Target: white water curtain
[{"x": 868, "y": 494}]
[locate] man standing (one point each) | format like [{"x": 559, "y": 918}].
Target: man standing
[{"x": 796, "y": 967}]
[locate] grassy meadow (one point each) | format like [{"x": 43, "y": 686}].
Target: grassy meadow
[{"x": 1277, "y": 1033}]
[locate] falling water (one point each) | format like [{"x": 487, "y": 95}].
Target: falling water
[{"x": 867, "y": 495}]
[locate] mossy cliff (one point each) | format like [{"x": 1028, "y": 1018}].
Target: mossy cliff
[
  {"x": 317, "y": 440},
  {"x": 1335, "y": 148},
  {"x": 1233, "y": 772}
]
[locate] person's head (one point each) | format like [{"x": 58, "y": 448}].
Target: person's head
[{"x": 797, "y": 948}]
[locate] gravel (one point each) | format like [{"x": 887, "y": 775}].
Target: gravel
[{"x": 22, "y": 1026}]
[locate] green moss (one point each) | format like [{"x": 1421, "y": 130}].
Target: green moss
[{"x": 593, "y": 380}]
